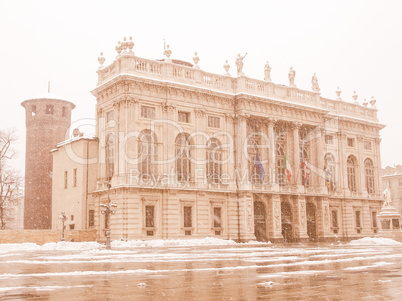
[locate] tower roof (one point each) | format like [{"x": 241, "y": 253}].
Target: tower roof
[{"x": 48, "y": 96}]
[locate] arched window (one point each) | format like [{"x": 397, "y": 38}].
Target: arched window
[
  {"x": 253, "y": 143},
  {"x": 369, "y": 173},
  {"x": 214, "y": 161},
  {"x": 183, "y": 166},
  {"x": 147, "y": 153},
  {"x": 351, "y": 172},
  {"x": 109, "y": 155},
  {"x": 330, "y": 171},
  {"x": 280, "y": 142}
]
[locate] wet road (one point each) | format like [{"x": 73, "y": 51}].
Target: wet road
[{"x": 233, "y": 272}]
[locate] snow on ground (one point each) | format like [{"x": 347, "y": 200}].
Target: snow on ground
[
  {"x": 86, "y": 246},
  {"x": 378, "y": 241}
]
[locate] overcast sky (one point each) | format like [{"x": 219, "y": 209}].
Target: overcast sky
[{"x": 356, "y": 45}]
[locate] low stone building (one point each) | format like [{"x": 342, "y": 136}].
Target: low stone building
[
  {"x": 392, "y": 179},
  {"x": 186, "y": 153}
]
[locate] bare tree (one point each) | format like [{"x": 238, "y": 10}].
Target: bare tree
[{"x": 10, "y": 180}]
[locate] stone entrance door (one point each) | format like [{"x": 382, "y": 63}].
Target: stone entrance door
[
  {"x": 260, "y": 229},
  {"x": 286, "y": 217},
  {"x": 311, "y": 223}
]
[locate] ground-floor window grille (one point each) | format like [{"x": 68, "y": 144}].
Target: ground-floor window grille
[{"x": 217, "y": 220}]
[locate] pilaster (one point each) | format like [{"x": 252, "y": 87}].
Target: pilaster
[{"x": 300, "y": 218}]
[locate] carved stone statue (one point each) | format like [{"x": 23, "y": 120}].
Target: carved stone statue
[
  {"x": 239, "y": 64},
  {"x": 292, "y": 76},
  {"x": 167, "y": 53},
  {"x": 387, "y": 197},
  {"x": 314, "y": 83},
  {"x": 267, "y": 72}
]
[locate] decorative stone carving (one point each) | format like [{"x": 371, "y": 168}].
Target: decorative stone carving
[
  {"x": 303, "y": 222},
  {"x": 355, "y": 96},
  {"x": 239, "y": 64},
  {"x": 199, "y": 112},
  {"x": 130, "y": 45},
  {"x": 314, "y": 83},
  {"x": 167, "y": 53},
  {"x": 101, "y": 60},
  {"x": 267, "y": 72},
  {"x": 168, "y": 107},
  {"x": 292, "y": 77},
  {"x": 226, "y": 67},
  {"x": 372, "y": 102},
  {"x": 119, "y": 48},
  {"x": 277, "y": 214},
  {"x": 196, "y": 59}
]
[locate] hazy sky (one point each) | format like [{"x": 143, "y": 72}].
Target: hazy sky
[{"x": 356, "y": 45}]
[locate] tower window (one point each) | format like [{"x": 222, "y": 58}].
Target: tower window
[
  {"x": 75, "y": 177},
  {"x": 49, "y": 109},
  {"x": 91, "y": 218},
  {"x": 33, "y": 110}
]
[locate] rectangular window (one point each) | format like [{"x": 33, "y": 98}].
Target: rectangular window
[
  {"x": 213, "y": 122},
  {"x": 351, "y": 142},
  {"x": 184, "y": 117},
  {"x": 367, "y": 145},
  {"x": 357, "y": 218},
  {"x": 33, "y": 110},
  {"x": 148, "y": 112},
  {"x": 334, "y": 218},
  {"x": 110, "y": 116},
  {"x": 188, "y": 218},
  {"x": 91, "y": 218},
  {"x": 49, "y": 109},
  {"x": 217, "y": 217},
  {"x": 329, "y": 139},
  {"x": 75, "y": 177},
  {"x": 64, "y": 112},
  {"x": 72, "y": 226},
  {"x": 149, "y": 216},
  {"x": 374, "y": 219},
  {"x": 72, "y": 217},
  {"x": 65, "y": 179}
]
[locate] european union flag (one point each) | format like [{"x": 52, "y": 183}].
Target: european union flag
[{"x": 260, "y": 168}]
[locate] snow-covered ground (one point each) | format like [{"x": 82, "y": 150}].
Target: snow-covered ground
[
  {"x": 209, "y": 241},
  {"x": 201, "y": 269}
]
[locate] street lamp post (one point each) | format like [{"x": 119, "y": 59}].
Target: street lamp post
[
  {"x": 107, "y": 210},
  {"x": 63, "y": 218}
]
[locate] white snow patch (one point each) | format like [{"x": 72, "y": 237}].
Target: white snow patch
[
  {"x": 267, "y": 284},
  {"x": 379, "y": 241}
]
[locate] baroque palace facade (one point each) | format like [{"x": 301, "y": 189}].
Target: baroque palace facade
[{"x": 184, "y": 153}]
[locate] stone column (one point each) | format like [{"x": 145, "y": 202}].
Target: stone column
[
  {"x": 323, "y": 226},
  {"x": 200, "y": 142},
  {"x": 361, "y": 177},
  {"x": 296, "y": 156},
  {"x": 230, "y": 123},
  {"x": 343, "y": 177},
  {"x": 246, "y": 207},
  {"x": 377, "y": 166},
  {"x": 300, "y": 218},
  {"x": 166, "y": 150},
  {"x": 241, "y": 148},
  {"x": 271, "y": 153},
  {"x": 274, "y": 224},
  {"x": 320, "y": 146}
]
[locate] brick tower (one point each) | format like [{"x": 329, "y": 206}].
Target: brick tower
[{"x": 47, "y": 120}]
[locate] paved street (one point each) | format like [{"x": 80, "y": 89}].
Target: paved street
[{"x": 172, "y": 271}]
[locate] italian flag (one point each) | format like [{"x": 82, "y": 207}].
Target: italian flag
[{"x": 286, "y": 166}]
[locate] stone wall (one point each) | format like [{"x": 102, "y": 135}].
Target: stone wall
[{"x": 41, "y": 237}]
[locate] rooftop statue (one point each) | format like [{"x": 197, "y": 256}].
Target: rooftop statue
[
  {"x": 167, "y": 53},
  {"x": 267, "y": 72},
  {"x": 239, "y": 64},
  {"x": 387, "y": 197},
  {"x": 314, "y": 83},
  {"x": 292, "y": 76}
]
